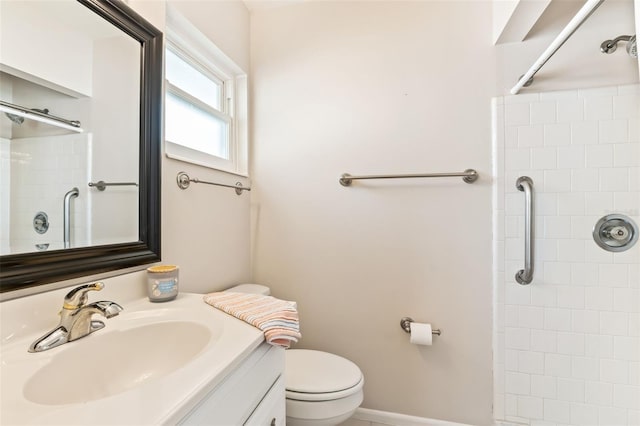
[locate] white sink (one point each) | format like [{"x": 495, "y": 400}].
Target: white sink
[
  {"x": 149, "y": 365},
  {"x": 112, "y": 362}
]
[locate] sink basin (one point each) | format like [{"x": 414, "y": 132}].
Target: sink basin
[
  {"x": 150, "y": 365},
  {"x": 113, "y": 362}
]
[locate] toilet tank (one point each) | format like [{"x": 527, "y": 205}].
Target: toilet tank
[{"x": 251, "y": 289}]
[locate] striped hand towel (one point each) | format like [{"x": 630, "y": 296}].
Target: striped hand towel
[{"x": 277, "y": 318}]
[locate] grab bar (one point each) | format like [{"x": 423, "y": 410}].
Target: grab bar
[
  {"x": 67, "y": 215},
  {"x": 468, "y": 176},
  {"x": 525, "y": 276}
]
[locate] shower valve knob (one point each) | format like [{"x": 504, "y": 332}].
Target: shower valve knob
[{"x": 619, "y": 233}]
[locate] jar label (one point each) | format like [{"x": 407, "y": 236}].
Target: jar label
[{"x": 163, "y": 287}]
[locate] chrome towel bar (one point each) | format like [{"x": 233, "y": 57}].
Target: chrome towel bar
[
  {"x": 184, "y": 180},
  {"x": 102, "y": 185},
  {"x": 468, "y": 176},
  {"x": 525, "y": 276}
]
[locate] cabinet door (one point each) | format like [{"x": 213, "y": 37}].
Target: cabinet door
[{"x": 271, "y": 410}]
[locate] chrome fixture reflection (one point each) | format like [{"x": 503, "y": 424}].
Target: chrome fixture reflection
[
  {"x": 102, "y": 185},
  {"x": 75, "y": 318},
  {"x": 41, "y": 222},
  {"x": 525, "y": 276},
  {"x": 17, "y": 114},
  {"x": 615, "y": 232},
  {"x": 610, "y": 46},
  {"x": 67, "y": 215}
]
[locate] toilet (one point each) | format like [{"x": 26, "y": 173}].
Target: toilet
[{"x": 322, "y": 389}]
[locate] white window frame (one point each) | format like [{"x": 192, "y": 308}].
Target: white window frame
[{"x": 191, "y": 45}]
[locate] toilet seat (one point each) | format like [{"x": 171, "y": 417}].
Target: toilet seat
[{"x": 320, "y": 376}]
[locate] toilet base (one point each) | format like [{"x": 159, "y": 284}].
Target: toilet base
[{"x": 322, "y": 413}]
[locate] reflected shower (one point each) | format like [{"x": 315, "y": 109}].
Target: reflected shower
[{"x": 610, "y": 46}]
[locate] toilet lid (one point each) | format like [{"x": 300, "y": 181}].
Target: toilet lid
[{"x": 316, "y": 372}]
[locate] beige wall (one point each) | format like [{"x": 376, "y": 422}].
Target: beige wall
[{"x": 380, "y": 87}]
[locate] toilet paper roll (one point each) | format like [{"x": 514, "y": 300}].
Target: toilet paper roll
[{"x": 421, "y": 334}]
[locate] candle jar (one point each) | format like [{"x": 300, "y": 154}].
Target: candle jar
[{"x": 162, "y": 283}]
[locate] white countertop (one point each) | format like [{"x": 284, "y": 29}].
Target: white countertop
[{"x": 157, "y": 400}]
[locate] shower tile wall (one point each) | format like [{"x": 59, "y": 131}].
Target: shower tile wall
[{"x": 566, "y": 348}]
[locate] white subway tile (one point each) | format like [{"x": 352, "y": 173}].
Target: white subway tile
[
  {"x": 557, "y": 365},
  {"x": 584, "y": 415},
  {"x": 599, "y": 155},
  {"x": 517, "y": 383},
  {"x": 626, "y": 300},
  {"x": 544, "y": 158},
  {"x": 571, "y": 251},
  {"x": 598, "y": 393},
  {"x": 634, "y": 130},
  {"x": 571, "y": 297},
  {"x": 614, "y": 131},
  {"x": 634, "y": 178},
  {"x": 517, "y": 114},
  {"x": 531, "y": 136},
  {"x": 511, "y": 360},
  {"x": 626, "y": 202},
  {"x": 625, "y": 154},
  {"x": 598, "y": 203},
  {"x": 626, "y": 348},
  {"x": 610, "y": 416},
  {"x": 570, "y": 110},
  {"x": 517, "y": 159},
  {"x": 530, "y": 407},
  {"x": 531, "y": 317},
  {"x": 614, "y": 179},
  {"x": 585, "y": 180},
  {"x": 531, "y": 362},
  {"x": 557, "y": 134},
  {"x": 614, "y": 275},
  {"x": 614, "y": 323},
  {"x": 557, "y": 411},
  {"x": 545, "y": 251},
  {"x": 599, "y": 298},
  {"x": 571, "y": 157},
  {"x": 513, "y": 204},
  {"x": 585, "y": 133},
  {"x": 585, "y": 321},
  {"x": 517, "y": 338},
  {"x": 546, "y": 204},
  {"x": 557, "y": 227},
  {"x": 634, "y": 417},
  {"x": 585, "y": 368},
  {"x": 634, "y": 373},
  {"x": 557, "y": 273},
  {"x": 544, "y": 386},
  {"x": 595, "y": 254},
  {"x": 584, "y": 273},
  {"x": 557, "y": 319},
  {"x": 598, "y": 346},
  {"x": 511, "y": 405},
  {"x": 598, "y": 108},
  {"x": 557, "y": 180},
  {"x": 511, "y": 137},
  {"x": 517, "y": 294},
  {"x": 545, "y": 112},
  {"x": 543, "y": 341},
  {"x": 571, "y": 204},
  {"x": 608, "y": 91},
  {"x": 571, "y": 343},
  {"x": 626, "y": 106},
  {"x": 544, "y": 295},
  {"x": 634, "y": 324},
  {"x": 571, "y": 390},
  {"x": 626, "y": 396}
]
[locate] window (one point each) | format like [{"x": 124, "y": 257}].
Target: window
[{"x": 205, "y": 102}]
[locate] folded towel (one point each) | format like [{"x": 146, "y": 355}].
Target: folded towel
[{"x": 277, "y": 318}]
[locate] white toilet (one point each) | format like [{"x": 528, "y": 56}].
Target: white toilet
[{"x": 322, "y": 389}]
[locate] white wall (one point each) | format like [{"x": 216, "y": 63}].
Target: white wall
[
  {"x": 567, "y": 344},
  {"x": 378, "y": 87},
  {"x": 205, "y": 229}
]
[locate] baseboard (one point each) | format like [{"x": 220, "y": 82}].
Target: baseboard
[{"x": 396, "y": 419}]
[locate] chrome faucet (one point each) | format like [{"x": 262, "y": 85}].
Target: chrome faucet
[{"x": 75, "y": 318}]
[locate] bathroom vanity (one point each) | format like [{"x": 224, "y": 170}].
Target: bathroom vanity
[{"x": 178, "y": 362}]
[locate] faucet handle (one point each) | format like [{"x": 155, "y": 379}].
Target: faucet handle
[{"x": 78, "y": 296}]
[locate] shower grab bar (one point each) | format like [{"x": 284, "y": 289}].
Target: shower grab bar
[
  {"x": 583, "y": 14},
  {"x": 102, "y": 185},
  {"x": 468, "y": 176},
  {"x": 184, "y": 180},
  {"x": 525, "y": 276},
  {"x": 67, "y": 215},
  {"x": 40, "y": 115}
]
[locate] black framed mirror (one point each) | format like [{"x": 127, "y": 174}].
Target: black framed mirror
[{"x": 22, "y": 270}]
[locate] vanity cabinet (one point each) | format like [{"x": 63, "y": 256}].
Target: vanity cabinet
[{"x": 253, "y": 394}]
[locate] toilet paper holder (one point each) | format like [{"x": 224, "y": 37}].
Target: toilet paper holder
[{"x": 405, "y": 323}]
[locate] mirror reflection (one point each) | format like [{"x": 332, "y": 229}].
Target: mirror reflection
[{"x": 69, "y": 128}]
